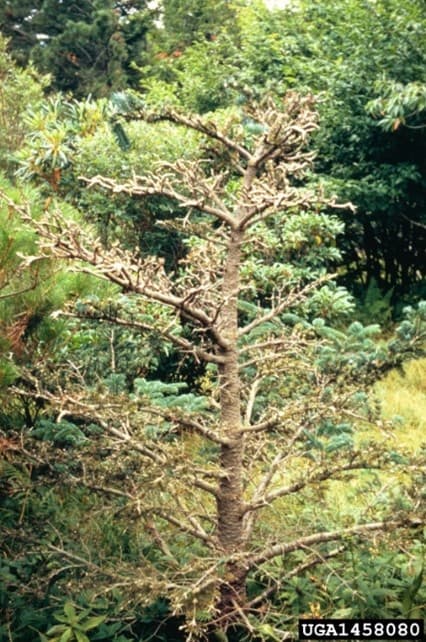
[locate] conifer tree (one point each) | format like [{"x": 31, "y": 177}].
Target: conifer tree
[
  {"x": 86, "y": 46},
  {"x": 273, "y": 418}
]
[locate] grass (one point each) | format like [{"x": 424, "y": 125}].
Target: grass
[{"x": 403, "y": 398}]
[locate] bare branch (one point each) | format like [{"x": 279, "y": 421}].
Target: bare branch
[
  {"x": 181, "y": 342},
  {"x": 208, "y": 488},
  {"x": 190, "y": 530},
  {"x": 297, "y": 570},
  {"x": 188, "y": 422},
  {"x": 324, "y": 475},
  {"x": 250, "y": 515},
  {"x": 160, "y": 541},
  {"x": 16, "y": 293},
  {"x": 330, "y": 536},
  {"x": 262, "y": 201},
  {"x": 413, "y": 222},
  {"x": 262, "y": 426},
  {"x": 152, "y": 186},
  {"x": 292, "y": 298},
  {"x": 144, "y": 276},
  {"x": 285, "y": 341},
  {"x": 189, "y": 515},
  {"x": 67, "y": 405},
  {"x": 209, "y": 129},
  {"x": 252, "y": 398},
  {"x": 80, "y": 560},
  {"x": 108, "y": 490}
]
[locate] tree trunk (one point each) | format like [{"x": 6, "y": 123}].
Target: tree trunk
[{"x": 230, "y": 497}]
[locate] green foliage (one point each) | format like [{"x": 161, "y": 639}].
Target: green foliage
[
  {"x": 89, "y": 51},
  {"x": 22, "y": 304},
  {"x": 73, "y": 626},
  {"x": 63, "y": 433},
  {"x": 184, "y": 23},
  {"x": 197, "y": 78},
  {"x": 412, "y": 326},
  {"x": 69, "y": 139},
  {"x": 376, "y": 305},
  {"x": 122, "y": 354},
  {"x": 357, "y": 352},
  {"x": 359, "y": 59},
  {"x": 331, "y": 302},
  {"x": 169, "y": 395},
  {"x": 399, "y": 105},
  {"x": 381, "y": 173},
  {"x": 31, "y": 293},
  {"x": 300, "y": 247},
  {"x": 364, "y": 583},
  {"x": 19, "y": 88},
  {"x": 386, "y": 586},
  {"x": 54, "y": 130}
]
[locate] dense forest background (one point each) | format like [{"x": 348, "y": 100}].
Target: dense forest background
[{"x": 212, "y": 325}]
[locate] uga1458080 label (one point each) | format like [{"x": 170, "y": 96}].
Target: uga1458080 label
[{"x": 361, "y": 630}]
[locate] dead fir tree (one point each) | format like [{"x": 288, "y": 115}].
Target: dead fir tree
[{"x": 217, "y": 502}]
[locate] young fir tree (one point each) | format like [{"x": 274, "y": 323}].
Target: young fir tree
[{"x": 203, "y": 471}]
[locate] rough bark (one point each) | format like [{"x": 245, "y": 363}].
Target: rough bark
[{"x": 230, "y": 495}]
